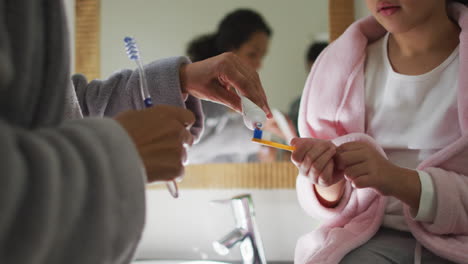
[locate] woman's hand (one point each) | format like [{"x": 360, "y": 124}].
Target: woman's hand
[
  {"x": 212, "y": 78},
  {"x": 161, "y": 135},
  {"x": 314, "y": 158}
]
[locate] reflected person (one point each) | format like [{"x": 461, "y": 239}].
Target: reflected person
[{"x": 245, "y": 33}]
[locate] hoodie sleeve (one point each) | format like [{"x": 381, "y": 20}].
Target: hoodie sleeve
[
  {"x": 121, "y": 91},
  {"x": 450, "y": 182},
  {"x": 447, "y": 234},
  {"x": 66, "y": 191},
  {"x": 452, "y": 202}
]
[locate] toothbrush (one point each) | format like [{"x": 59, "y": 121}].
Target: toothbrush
[
  {"x": 283, "y": 125},
  {"x": 134, "y": 55},
  {"x": 257, "y": 138},
  {"x": 253, "y": 118}
]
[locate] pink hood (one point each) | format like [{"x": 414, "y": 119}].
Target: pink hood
[{"x": 332, "y": 107}]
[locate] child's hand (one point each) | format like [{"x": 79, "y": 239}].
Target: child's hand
[
  {"x": 365, "y": 167},
  {"x": 314, "y": 158}
]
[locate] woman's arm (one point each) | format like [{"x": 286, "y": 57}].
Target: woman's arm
[
  {"x": 69, "y": 187},
  {"x": 121, "y": 92}
]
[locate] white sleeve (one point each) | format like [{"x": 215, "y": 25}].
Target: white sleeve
[{"x": 427, "y": 202}]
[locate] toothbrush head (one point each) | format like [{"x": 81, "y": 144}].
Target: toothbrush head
[
  {"x": 131, "y": 48},
  {"x": 257, "y": 133}
]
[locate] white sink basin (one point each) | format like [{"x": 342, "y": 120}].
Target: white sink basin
[{"x": 177, "y": 262}]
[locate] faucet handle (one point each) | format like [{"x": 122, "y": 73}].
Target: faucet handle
[{"x": 230, "y": 200}]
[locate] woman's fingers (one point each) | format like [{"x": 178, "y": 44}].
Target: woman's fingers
[
  {"x": 245, "y": 80},
  {"x": 161, "y": 135},
  {"x": 163, "y": 162},
  {"x": 186, "y": 138},
  {"x": 212, "y": 78},
  {"x": 183, "y": 116}
]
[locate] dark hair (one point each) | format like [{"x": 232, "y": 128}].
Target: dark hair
[
  {"x": 314, "y": 51},
  {"x": 234, "y": 30},
  {"x": 465, "y": 2}
]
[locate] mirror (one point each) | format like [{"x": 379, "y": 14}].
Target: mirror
[{"x": 165, "y": 28}]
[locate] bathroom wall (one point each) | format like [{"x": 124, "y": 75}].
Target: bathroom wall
[
  {"x": 360, "y": 9},
  {"x": 164, "y": 28}
]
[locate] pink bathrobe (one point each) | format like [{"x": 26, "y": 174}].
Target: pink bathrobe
[{"x": 332, "y": 107}]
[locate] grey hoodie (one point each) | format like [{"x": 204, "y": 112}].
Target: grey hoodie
[{"x": 70, "y": 191}]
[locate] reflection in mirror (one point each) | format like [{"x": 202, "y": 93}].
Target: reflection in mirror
[{"x": 278, "y": 49}]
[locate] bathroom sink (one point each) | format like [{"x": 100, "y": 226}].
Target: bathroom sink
[{"x": 177, "y": 262}]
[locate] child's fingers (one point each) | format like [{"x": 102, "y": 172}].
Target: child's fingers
[
  {"x": 294, "y": 141},
  {"x": 303, "y": 145},
  {"x": 325, "y": 177},
  {"x": 349, "y": 158},
  {"x": 319, "y": 163},
  {"x": 356, "y": 170},
  {"x": 304, "y": 167},
  {"x": 349, "y": 146},
  {"x": 361, "y": 182},
  {"x": 314, "y": 151}
]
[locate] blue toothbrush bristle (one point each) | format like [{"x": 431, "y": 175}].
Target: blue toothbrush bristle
[
  {"x": 257, "y": 133},
  {"x": 131, "y": 48},
  {"x": 148, "y": 102}
]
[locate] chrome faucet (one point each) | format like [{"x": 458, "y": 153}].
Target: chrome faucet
[{"x": 245, "y": 233}]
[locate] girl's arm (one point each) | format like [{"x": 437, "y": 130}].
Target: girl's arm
[
  {"x": 365, "y": 167},
  {"x": 330, "y": 196},
  {"x": 406, "y": 187}
]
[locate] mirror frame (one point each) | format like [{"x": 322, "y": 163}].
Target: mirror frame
[{"x": 88, "y": 38}]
